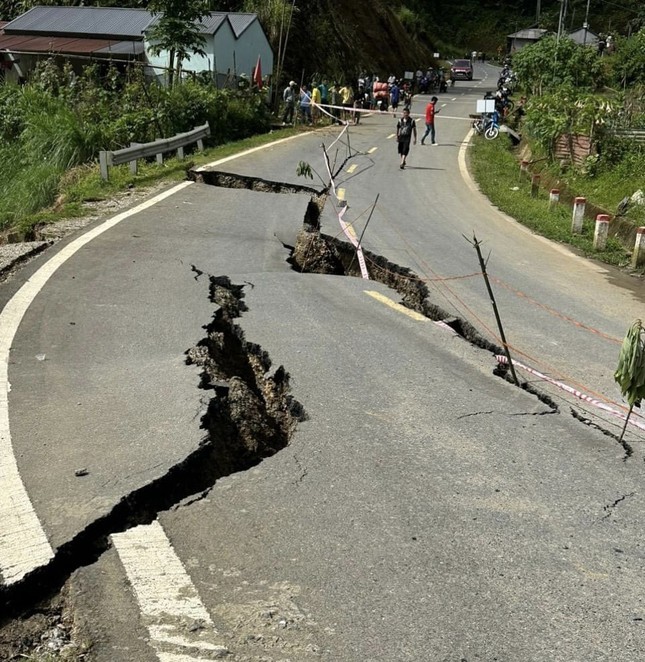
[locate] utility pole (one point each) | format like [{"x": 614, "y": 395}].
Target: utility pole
[
  {"x": 537, "y": 13},
  {"x": 585, "y": 25},
  {"x": 560, "y": 19}
]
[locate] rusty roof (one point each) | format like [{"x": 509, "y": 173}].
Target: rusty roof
[{"x": 68, "y": 45}]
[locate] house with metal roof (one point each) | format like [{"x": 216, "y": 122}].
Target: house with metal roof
[
  {"x": 75, "y": 34},
  {"x": 233, "y": 44},
  {"x": 521, "y": 38},
  {"x": 233, "y": 41},
  {"x": 585, "y": 37}
]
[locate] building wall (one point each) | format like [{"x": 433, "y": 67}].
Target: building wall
[
  {"x": 225, "y": 55},
  {"x": 253, "y": 42}
]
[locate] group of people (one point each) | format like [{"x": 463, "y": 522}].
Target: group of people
[
  {"x": 341, "y": 104},
  {"x": 310, "y": 102},
  {"x": 313, "y": 103}
]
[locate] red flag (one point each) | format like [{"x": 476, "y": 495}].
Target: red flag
[{"x": 257, "y": 74}]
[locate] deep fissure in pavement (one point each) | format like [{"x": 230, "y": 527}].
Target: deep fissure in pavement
[
  {"x": 316, "y": 252},
  {"x": 251, "y": 415}
]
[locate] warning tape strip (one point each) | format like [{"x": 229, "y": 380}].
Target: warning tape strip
[
  {"x": 578, "y": 394},
  {"x": 345, "y": 228}
]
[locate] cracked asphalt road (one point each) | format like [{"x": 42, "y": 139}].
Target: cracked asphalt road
[{"x": 401, "y": 523}]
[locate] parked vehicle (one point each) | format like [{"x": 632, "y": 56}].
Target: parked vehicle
[
  {"x": 461, "y": 69},
  {"x": 488, "y": 125}
]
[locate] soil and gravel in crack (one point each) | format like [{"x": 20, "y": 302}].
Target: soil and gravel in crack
[{"x": 43, "y": 634}]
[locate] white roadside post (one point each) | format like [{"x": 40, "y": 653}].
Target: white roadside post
[
  {"x": 578, "y": 215},
  {"x": 638, "y": 256},
  {"x": 601, "y": 232},
  {"x": 554, "y": 197}
]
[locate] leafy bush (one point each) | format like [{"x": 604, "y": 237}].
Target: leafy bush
[
  {"x": 568, "y": 111},
  {"x": 551, "y": 63},
  {"x": 628, "y": 61}
]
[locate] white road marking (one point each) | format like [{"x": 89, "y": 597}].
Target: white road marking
[
  {"x": 352, "y": 167},
  {"x": 391, "y": 135},
  {"x": 371, "y": 150},
  {"x": 474, "y": 188},
  {"x": 341, "y": 194},
  {"x": 23, "y": 543},
  {"x": 180, "y": 628}
]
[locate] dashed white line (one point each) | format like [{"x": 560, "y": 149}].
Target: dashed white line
[{"x": 179, "y": 625}]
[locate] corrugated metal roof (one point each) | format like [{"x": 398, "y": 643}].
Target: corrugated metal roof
[
  {"x": 239, "y": 22},
  {"x": 584, "y": 36},
  {"x": 213, "y": 22},
  {"x": 68, "y": 45},
  {"x": 103, "y": 22},
  {"x": 529, "y": 33},
  {"x": 208, "y": 25}
]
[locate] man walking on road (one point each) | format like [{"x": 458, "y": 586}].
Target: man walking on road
[
  {"x": 406, "y": 130},
  {"x": 430, "y": 113}
]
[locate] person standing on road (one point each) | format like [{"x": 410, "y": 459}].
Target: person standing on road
[
  {"x": 289, "y": 98},
  {"x": 430, "y": 113},
  {"x": 305, "y": 105},
  {"x": 394, "y": 97},
  {"x": 316, "y": 100},
  {"x": 406, "y": 131}
]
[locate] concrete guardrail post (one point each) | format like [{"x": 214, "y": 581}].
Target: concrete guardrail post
[
  {"x": 638, "y": 256},
  {"x": 554, "y": 197},
  {"x": 578, "y": 215},
  {"x": 103, "y": 165},
  {"x": 535, "y": 186},
  {"x": 601, "y": 232},
  {"x": 133, "y": 163}
]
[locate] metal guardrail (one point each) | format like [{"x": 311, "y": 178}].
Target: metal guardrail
[
  {"x": 156, "y": 148},
  {"x": 637, "y": 135}
]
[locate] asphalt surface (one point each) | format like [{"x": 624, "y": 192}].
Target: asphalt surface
[{"x": 425, "y": 510}]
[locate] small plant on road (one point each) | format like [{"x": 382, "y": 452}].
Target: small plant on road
[{"x": 630, "y": 373}]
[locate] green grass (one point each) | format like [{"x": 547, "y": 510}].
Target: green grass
[
  {"x": 33, "y": 194},
  {"x": 496, "y": 170}
]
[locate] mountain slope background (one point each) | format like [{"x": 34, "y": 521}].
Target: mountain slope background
[{"x": 342, "y": 38}]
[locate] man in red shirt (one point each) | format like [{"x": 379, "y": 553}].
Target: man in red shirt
[{"x": 430, "y": 113}]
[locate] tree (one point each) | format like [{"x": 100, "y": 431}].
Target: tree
[
  {"x": 551, "y": 63},
  {"x": 628, "y": 62},
  {"x": 177, "y": 31}
]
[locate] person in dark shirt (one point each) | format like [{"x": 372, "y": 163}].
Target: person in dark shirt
[{"x": 406, "y": 132}]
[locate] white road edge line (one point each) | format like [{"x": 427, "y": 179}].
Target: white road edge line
[
  {"x": 179, "y": 625},
  {"x": 472, "y": 185},
  {"x": 23, "y": 543}
]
